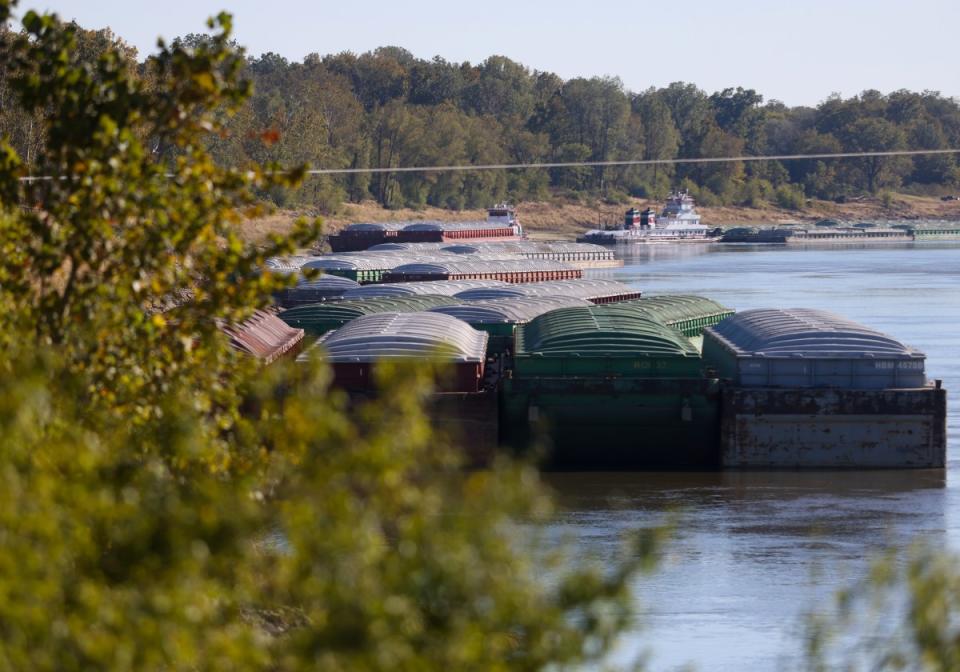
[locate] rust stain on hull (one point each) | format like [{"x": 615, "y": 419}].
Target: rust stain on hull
[{"x": 802, "y": 428}]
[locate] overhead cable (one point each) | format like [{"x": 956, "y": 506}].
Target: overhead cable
[{"x": 599, "y": 164}]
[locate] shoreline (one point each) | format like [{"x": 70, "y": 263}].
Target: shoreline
[{"x": 565, "y": 220}]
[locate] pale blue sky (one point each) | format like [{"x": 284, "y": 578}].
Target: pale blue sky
[{"x": 798, "y": 52}]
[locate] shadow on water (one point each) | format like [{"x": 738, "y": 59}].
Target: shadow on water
[{"x": 612, "y": 490}]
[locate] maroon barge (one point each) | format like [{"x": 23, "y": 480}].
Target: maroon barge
[
  {"x": 354, "y": 349},
  {"x": 501, "y": 225},
  {"x": 263, "y": 335}
]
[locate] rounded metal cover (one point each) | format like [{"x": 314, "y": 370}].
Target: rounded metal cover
[
  {"x": 404, "y": 335},
  {"x": 804, "y": 332},
  {"x": 597, "y": 331}
]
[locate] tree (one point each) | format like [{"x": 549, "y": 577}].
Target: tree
[
  {"x": 377, "y": 77},
  {"x": 591, "y": 113},
  {"x": 738, "y": 111},
  {"x": 818, "y": 177},
  {"x": 721, "y": 178},
  {"x": 877, "y": 135},
  {"x": 166, "y": 505},
  {"x": 346, "y": 110},
  {"x": 502, "y": 88},
  {"x": 924, "y": 133},
  {"x": 661, "y": 140},
  {"x": 435, "y": 82},
  {"x": 690, "y": 109}
]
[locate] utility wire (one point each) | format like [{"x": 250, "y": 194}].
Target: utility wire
[
  {"x": 636, "y": 162},
  {"x": 599, "y": 164}
]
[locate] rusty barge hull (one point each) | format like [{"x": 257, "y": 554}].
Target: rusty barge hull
[{"x": 833, "y": 428}]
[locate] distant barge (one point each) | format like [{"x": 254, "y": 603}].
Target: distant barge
[
  {"x": 829, "y": 232},
  {"x": 501, "y": 225}
]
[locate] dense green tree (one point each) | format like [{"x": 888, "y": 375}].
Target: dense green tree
[
  {"x": 661, "y": 140},
  {"x": 591, "y": 113},
  {"x": 502, "y": 88},
  {"x": 435, "y": 82},
  {"x": 873, "y": 134},
  {"x": 817, "y": 176},
  {"x": 167, "y": 505},
  {"x": 378, "y": 77},
  {"x": 690, "y": 109},
  {"x": 926, "y": 133},
  {"x": 835, "y": 114},
  {"x": 738, "y": 111},
  {"x": 723, "y": 179}
]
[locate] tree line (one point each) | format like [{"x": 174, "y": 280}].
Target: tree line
[{"x": 387, "y": 108}]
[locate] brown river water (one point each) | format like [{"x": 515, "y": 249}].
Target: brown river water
[{"x": 754, "y": 552}]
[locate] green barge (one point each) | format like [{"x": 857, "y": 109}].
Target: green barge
[{"x": 610, "y": 386}]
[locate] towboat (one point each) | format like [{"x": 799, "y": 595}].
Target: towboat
[{"x": 678, "y": 222}]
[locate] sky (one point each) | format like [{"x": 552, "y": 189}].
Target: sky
[{"x": 798, "y": 52}]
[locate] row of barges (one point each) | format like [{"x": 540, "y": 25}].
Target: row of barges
[
  {"x": 607, "y": 378},
  {"x": 597, "y": 373},
  {"x": 522, "y": 261}
]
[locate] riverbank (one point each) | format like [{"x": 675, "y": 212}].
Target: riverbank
[{"x": 566, "y": 219}]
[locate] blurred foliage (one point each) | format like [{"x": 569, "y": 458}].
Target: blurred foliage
[
  {"x": 168, "y": 505},
  {"x": 901, "y": 616}
]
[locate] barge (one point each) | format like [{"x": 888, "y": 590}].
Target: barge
[
  {"x": 594, "y": 290},
  {"x": 558, "y": 260},
  {"x": 263, "y": 336},
  {"x": 610, "y": 387},
  {"x": 501, "y": 224},
  {"x": 811, "y": 389},
  {"x": 500, "y": 317},
  {"x": 317, "y": 319},
  {"x": 830, "y": 232},
  {"x": 799, "y": 236},
  {"x": 324, "y": 288},
  {"x": 355, "y": 350},
  {"x": 581, "y": 255}
]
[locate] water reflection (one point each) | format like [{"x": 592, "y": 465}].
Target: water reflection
[{"x": 755, "y": 550}]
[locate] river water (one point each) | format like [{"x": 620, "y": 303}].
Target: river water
[{"x": 753, "y": 552}]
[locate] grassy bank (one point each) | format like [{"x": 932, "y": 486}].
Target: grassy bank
[{"x": 566, "y": 220}]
